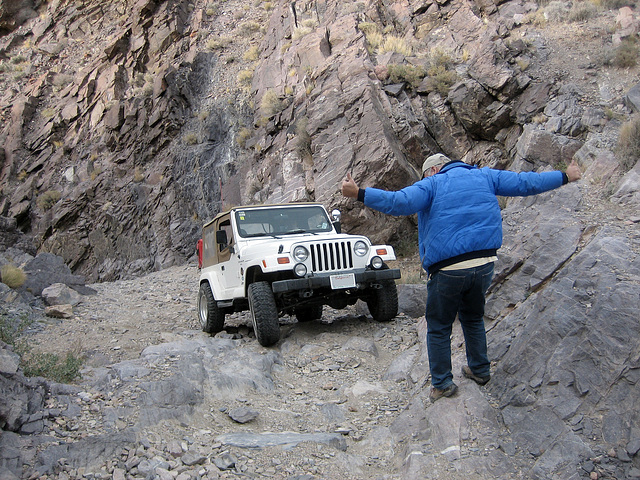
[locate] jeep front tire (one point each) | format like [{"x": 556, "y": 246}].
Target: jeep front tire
[
  {"x": 264, "y": 313},
  {"x": 383, "y": 302},
  {"x": 210, "y": 316}
]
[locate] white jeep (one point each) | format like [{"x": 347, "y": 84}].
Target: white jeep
[{"x": 288, "y": 259}]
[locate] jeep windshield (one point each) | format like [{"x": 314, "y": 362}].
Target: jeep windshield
[{"x": 277, "y": 221}]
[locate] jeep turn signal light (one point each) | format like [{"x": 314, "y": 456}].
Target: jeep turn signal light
[
  {"x": 283, "y": 260},
  {"x": 381, "y": 251}
]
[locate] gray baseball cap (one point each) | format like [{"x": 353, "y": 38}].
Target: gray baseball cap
[{"x": 434, "y": 160}]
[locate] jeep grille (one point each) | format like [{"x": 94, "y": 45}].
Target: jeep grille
[{"x": 331, "y": 256}]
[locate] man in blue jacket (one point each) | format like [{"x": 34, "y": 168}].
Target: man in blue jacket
[{"x": 460, "y": 231}]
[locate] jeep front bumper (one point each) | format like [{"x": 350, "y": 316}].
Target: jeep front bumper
[{"x": 324, "y": 281}]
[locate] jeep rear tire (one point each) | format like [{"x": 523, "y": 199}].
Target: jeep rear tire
[
  {"x": 383, "y": 302},
  {"x": 308, "y": 313},
  {"x": 210, "y": 316},
  {"x": 264, "y": 313}
]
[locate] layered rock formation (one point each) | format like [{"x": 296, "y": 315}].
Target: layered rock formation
[
  {"x": 125, "y": 127},
  {"x": 121, "y": 122}
]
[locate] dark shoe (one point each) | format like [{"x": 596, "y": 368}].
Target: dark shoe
[
  {"x": 466, "y": 371},
  {"x": 437, "y": 394}
]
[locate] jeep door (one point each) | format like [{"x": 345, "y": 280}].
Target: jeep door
[{"x": 226, "y": 267}]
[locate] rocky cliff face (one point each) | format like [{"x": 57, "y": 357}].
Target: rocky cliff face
[{"x": 128, "y": 124}]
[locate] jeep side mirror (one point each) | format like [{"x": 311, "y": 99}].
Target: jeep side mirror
[
  {"x": 335, "y": 217},
  {"x": 221, "y": 237}
]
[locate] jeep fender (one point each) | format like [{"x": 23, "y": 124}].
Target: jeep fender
[{"x": 214, "y": 284}]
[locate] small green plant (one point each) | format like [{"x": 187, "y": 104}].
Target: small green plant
[
  {"x": 12, "y": 326},
  {"x": 411, "y": 74},
  {"x": 628, "y": 147},
  {"x": 611, "y": 114},
  {"x": 51, "y": 366},
  {"x": 271, "y": 103},
  {"x": 12, "y": 276},
  {"x": 48, "y": 199},
  {"x": 440, "y": 79},
  {"x": 440, "y": 73},
  {"x": 47, "y": 365}
]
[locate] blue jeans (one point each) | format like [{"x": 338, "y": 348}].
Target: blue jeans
[{"x": 461, "y": 293}]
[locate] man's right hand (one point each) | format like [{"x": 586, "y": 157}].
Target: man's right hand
[
  {"x": 573, "y": 171},
  {"x": 350, "y": 189}
]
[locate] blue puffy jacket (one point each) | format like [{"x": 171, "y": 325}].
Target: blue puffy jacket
[{"x": 458, "y": 213}]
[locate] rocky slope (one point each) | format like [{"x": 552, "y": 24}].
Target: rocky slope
[
  {"x": 128, "y": 124},
  {"x": 132, "y": 113}
]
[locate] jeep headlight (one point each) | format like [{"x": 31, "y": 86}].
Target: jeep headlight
[
  {"x": 360, "y": 248},
  {"x": 300, "y": 270},
  {"x": 300, "y": 253},
  {"x": 376, "y": 263}
]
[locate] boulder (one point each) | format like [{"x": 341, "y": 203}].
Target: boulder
[
  {"x": 632, "y": 98},
  {"x": 60, "y": 294},
  {"x": 47, "y": 269},
  {"x": 412, "y": 299}
]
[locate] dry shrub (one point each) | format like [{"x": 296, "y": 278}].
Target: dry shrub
[
  {"x": 397, "y": 45},
  {"x": 411, "y": 74},
  {"x": 374, "y": 40},
  {"x": 626, "y": 55},
  {"x": 556, "y": 12},
  {"x": 368, "y": 28},
  {"x": 245, "y": 77},
  {"x": 191, "y": 138},
  {"x": 252, "y": 54},
  {"x": 12, "y": 276},
  {"x": 271, "y": 103},
  {"x": 48, "y": 199},
  {"x": 303, "y": 139},
  {"x": 628, "y": 148},
  {"x": 243, "y": 135},
  {"x": 581, "y": 11}
]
